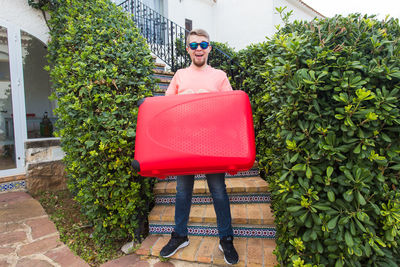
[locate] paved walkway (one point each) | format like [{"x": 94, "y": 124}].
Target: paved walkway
[{"x": 29, "y": 239}]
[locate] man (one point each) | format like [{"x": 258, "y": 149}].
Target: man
[{"x": 199, "y": 77}]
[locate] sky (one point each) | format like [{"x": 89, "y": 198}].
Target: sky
[{"x": 381, "y": 8}]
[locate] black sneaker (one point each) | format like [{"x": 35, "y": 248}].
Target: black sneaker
[
  {"x": 176, "y": 242},
  {"x": 230, "y": 254}
]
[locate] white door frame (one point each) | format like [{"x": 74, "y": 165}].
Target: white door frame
[{"x": 18, "y": 97}]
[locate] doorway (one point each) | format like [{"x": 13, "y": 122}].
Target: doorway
[{"x": 12, "y": 130}]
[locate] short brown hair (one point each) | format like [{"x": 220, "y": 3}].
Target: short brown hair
[{"x": 199, "y": 32}]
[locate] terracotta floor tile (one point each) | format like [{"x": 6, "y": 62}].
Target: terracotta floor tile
[
  {"x": 262, "y": 185},
  {"x": 206, "y": 249},
  {"x": 218, "y": 256},
  {"x": 237, "y": 185},
  {"x": 250, "y": 184},
  {"x": 159, "y": 188},
  {"x": 228, "y": 185},
  {"x": 269, "y": 243},
  {"x": 156, "y": 213},
  {"x": 199, "y": 187},
  {"x": 267, "y": 215},
  {"x": 254, "y": 251},
  {"x": 169, "y": 214},
  {"x": 147, "y": 245},
  {"x": 240, "y": 244},
  {"x": 170, "y": 188},
  {"x": 269, "y": 257},
  {"x": 197, "y": 213},
  {"x": 159, "y": 244},
  {"x": 189, "y": 253},
  {"x": 209, "y": 214},
  {"x": 254, "y": 213},
  {"x": 239, "y": 214}
]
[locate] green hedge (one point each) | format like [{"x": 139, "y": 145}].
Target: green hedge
[
  {"x": 100, "y": 68},
  {"x": 326, "y": 99}
]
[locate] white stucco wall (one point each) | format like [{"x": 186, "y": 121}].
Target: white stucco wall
[
  {"x": 19, "y": 13},
  {"x": 236, "y": 22},
  {"x": 241, "y": 23},
  {"x": 201, "y": 12},
  {"x": 300, "y": 11}
]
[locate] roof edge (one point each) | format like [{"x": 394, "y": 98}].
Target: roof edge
[{"x": 309, "y": 7}]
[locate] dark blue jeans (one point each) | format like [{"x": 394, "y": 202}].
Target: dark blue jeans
[{"x": 184, "y": 190}]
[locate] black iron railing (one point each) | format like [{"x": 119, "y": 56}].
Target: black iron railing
[
  {"x": 164, "y": 36},
  {"x": 167, "y": 40}
]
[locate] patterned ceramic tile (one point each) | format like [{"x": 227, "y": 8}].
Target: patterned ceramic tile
[
  {"x": 12, "y": 186},
  {"x": 234, "y": 199},
  {"x": 249, "y": 173},
  {"x": 212, "y": 231}
]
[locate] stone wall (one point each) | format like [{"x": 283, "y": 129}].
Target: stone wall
[{"x": 44, "y": 166}]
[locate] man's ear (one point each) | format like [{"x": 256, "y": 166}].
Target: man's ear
[{"x": 187, "y": 49}]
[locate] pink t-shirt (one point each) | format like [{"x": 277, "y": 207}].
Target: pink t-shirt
[{"x": 191, "y": 80}]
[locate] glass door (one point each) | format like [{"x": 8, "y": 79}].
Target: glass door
[{"x": 11, "y": 133}]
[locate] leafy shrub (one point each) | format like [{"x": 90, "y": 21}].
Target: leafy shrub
[
  {"x": 326, "y": 99},
  {"x": 100, "y": 68}
]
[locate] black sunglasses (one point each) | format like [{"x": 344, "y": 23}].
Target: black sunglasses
[{"x": 203, "y": 45}]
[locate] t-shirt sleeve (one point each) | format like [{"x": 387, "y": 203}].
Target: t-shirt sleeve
[
  {"x": 173, "y": 86},
  {"x": 225, "y": 85}
]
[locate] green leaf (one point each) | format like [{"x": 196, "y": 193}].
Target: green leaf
[
  {"x": 349, "y": 239},
  {"x": 299, "y": 167},
  {"x": 348, "y": 195},
  {"x": 386, "y": 138},
  {"x": 331, "y": 196},
  {"x": 294, "y": 208},
  {"x": 131, "y": 133},
  {"x": 357, "y": 149},
  {"x": 303, "y": 217},
  {"x": 360, "y": 199},
  {"x": 395, "y": 167},
  {"x": 329, "y": 171},
  {"x": 339, "y": 263},
  {"x": 308, "y": 172},
  {"x": 294, "y": 158},
  {"x": 332, "y": 223},
  {"x": 89, "y": 143}
]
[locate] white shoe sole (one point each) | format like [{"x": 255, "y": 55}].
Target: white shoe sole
[
  {"x": 220, "y": 248},
  {"x": 184, "y": 244}
]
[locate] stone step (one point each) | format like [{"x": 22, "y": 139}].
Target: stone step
[
  {"x": 199, "y": 199},
  {"x": 233, "y": 185},
  {"x": 202, "y": 249},
  {"x": 167, "y": 74},
  {"x": 162, "y": 78},
  {"x": 159, "y": 66},
  {"x": 254, "y": 214}
]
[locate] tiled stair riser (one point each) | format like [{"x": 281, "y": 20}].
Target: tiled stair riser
[
  {"x": 13, "y": 186},
  {"x": 195, "y": 230},
  {"x": 249, "y": 173},
  {"x": 200, "y": 200}
]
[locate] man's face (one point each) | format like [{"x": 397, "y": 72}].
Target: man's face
[{"x": 198, "y": 56}]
